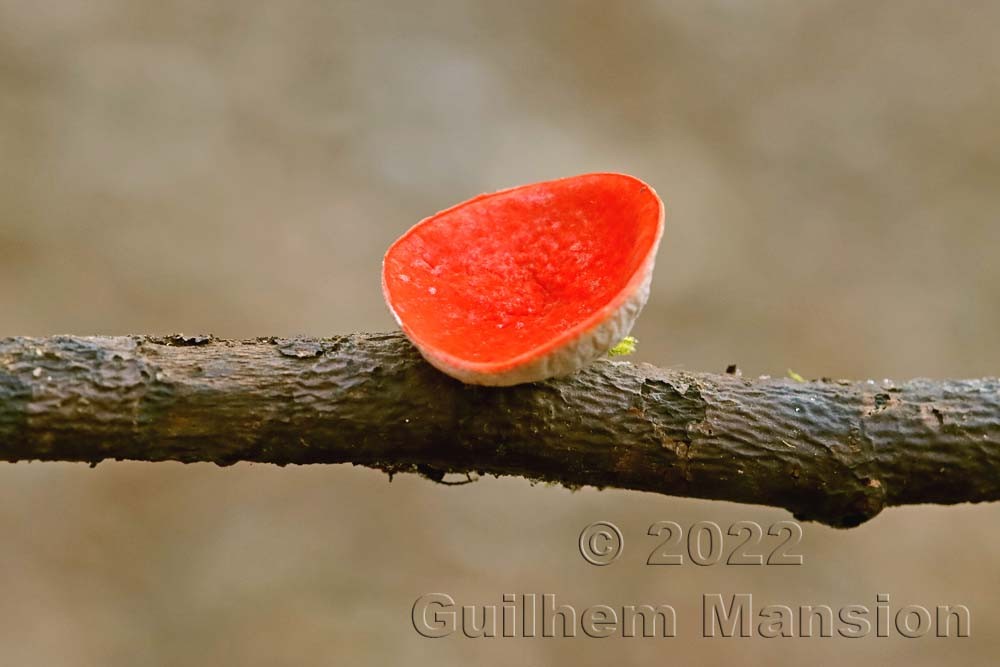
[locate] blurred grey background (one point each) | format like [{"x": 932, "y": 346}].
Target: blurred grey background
[{"x": 831, "y": 174}]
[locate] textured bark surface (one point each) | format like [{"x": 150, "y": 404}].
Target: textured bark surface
[{"x": 830, "y": 451}]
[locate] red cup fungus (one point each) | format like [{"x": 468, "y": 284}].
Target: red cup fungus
[{"x": 528, "y": 283}]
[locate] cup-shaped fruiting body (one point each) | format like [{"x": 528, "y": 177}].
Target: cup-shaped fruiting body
[{"x": 529, "y": 283}]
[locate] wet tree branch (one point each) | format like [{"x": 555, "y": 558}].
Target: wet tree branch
[{"x": 830, "y": 451}]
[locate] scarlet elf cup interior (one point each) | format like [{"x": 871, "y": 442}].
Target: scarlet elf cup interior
[{"x": 528, "y": 283}]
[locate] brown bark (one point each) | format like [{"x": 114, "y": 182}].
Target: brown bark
[{"x": 830, "y": 451}]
